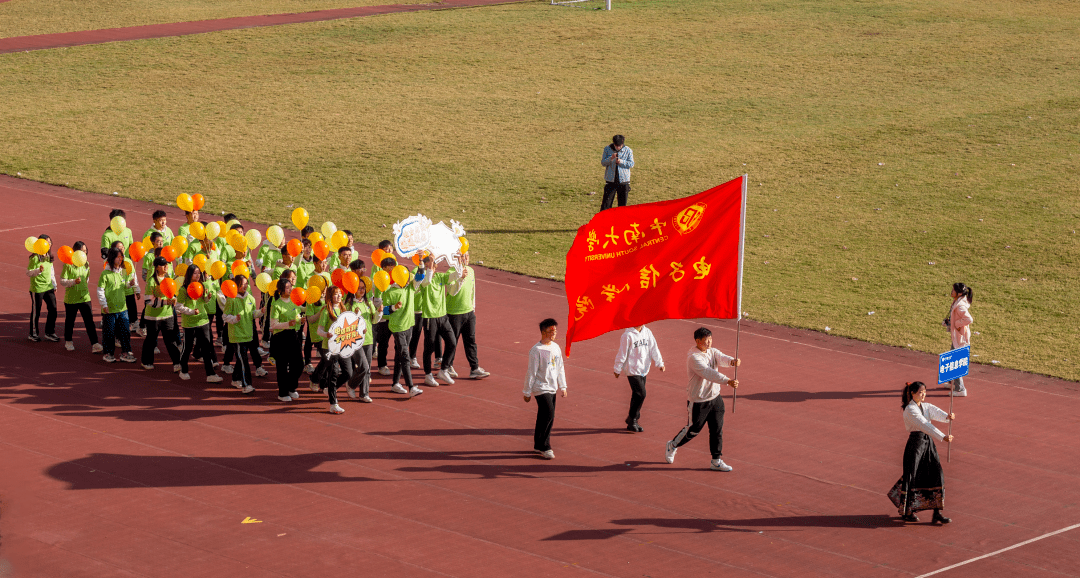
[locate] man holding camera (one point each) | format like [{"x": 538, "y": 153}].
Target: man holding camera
[{"x": 618, "y": 159}]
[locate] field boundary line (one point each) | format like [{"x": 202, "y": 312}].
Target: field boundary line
[{"x": 1024, "y": 543}]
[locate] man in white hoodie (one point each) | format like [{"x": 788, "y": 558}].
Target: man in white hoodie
[
  {"x": 705, "y": 405},
  {"x": 637, "y": 353}
]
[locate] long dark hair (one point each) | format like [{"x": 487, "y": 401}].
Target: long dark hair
[
  {"x": 48, "y": 256},
  {"x": 963, "y": 291},
  {"x": 910, "y": 390},
  {"x": 189, "y": 274},
  {"x": 277, "y": 289},
  {"x": 111, "y": 256}
]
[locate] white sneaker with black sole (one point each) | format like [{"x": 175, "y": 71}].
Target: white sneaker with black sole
[
  {"x": 669, "y": 452},
  {"x": 719, "y": 465}
]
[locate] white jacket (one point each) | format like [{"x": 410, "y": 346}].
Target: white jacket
[
  {"x": 960, "y": 321},
  {"x": 546, "y": 373},
  {"x": 705, "y": 379},
  {"x": 636, "y": 348},
  {"x": 918, "y": 418}
]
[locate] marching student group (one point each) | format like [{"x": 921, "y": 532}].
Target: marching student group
[{"x": 196, "y": 302}]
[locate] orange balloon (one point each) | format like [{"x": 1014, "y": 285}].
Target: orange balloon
[
  {"x": 295, "y": 247},
  {"x": 65, "y": 253},
  {"x": 322, "y": 250},
  {"x": 335, "y": 278},
  {"x": 195, "y": 290},
  {"x": 376, "y": 258},
  {"x": 197, "y": 201},
  {"x": 137, "y": 251},
  {"x": 229, "y": 289},
  {"x": 350, "y": 282},
  {"x": 240, "y": 268},
  {"x": 170, "y": 253},
  {"x": 168, "y": 288},
  {"x": 298, "y": 296}
]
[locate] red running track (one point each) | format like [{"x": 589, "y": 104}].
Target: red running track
[
  {"x": 110, "y": 470},
  {"x": 80, "y": 38}
]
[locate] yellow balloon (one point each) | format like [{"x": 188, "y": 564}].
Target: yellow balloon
[
  {"x": 275, "y": 235},
  {"x": 367, "y": 284},
  {"x": 313, "y": 294},
  {"x": 230, "y": 224},
  {"x": 299, "y": 218},
  {"x": 78, "y": 258},
  {"x": 185, "y": 203},
  {"x": 238, "y": 242},
  {"x": 213, "y": 230},
  {"x": 315, "y": 237},
  {"x": 199, "y": 261},
  {"x": 180, "y": 244},
  {"x": 338, "y": 240},
  {"x": 197, "y": 230},
  {"x": 29, "y": 243},
  {"x": 317, "y": 281},
  {"x": 271, "y": 287},
  {"x": 254, "y": 237},
  {"x": 381, "y": 280},
  {"x": 464, "y": 245},
  {"x": 117, "y": 224},
  {"x": 262, "y": 281},
  {"x": 217, "y": 269},
  {"x": 41, "y": 246},
  {"x": 147, "y": 244},
  {"x": 222, "y": 228},
  {"x": 181, "y": 270},
  {"x": 328, "y": 229},
  {"x": 127, "y": 267},
  {"x": 400, "y": 275}
]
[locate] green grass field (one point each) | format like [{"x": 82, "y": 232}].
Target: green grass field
[{"x": 880, "y": 137}]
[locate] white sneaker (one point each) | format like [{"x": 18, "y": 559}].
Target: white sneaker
[
  {"x": 336, "y": 409},
  {"x": 108, "y": 358},
  {"x": 719, "y": 465},
  {"x": 142, "y": 332},
  {"x": 237, "y": 384},
  {"x": 176, "y": 368},
  {"x": 147, "y": 366},
  {"x": 548, "y": 455},
  {"x": 284, "y": 398},
  {"x": 226, "y": 368},
  {"x": 128, "y": 357},
  {"x": 437, "y": 364},
  {"x": 97, "y": 348},
  {"x": 69, "y": 346},
  {"x": 294, "y": 395},
  {"x": 415, "y": 364},
  {"x": 365, "y": 399},
  {"x": 133, "y": 327},
  {"x": 260, "y": 372},
  {"x": 669, "y": 452},
  {"x": 247, "y": 389},
  {"x": 313, "y": 387},
  {"x": 398, "y": 388},
  {"x": 452, "y": 371},
  {"x": 214, "y": 379},
  {"x": 445, "y": 377},
  {"x": 960, "y": 393},
  {"x": 264, "y": 345},
  {"x": 157, "y": 350},
  {"x": 415, "y": 391},
  {"x": 262, "y": 352},
  {"x": 384, "y": 370},
  {"x": 309, "y": 369},
  {"x": 350, "y": 391},
  {"x": 184, "y": 376},
  {"x": 479, "y": 373},
  {"x": 429, "y": 380}
]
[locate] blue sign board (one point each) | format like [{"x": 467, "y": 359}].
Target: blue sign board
[{"x": 953, "y": 364}]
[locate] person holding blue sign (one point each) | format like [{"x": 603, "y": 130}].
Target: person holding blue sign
[
  {"x": 959, "y": 325},
  {"x": 922, "y": 485}
]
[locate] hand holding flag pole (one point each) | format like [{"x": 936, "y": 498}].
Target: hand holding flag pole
[{"x": 738, "y": 333}]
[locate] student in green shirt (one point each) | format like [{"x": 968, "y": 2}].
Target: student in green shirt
[
  {"x": 77, "y": 302},
  {"x": 195, "y": 319},
  {"x": 42, "y": 290},
  {"x": 114, "y": 320},
  {"x": 282, "y": 263},
  {"x": 304, "y": 264},
  {"x": 240, "y": 314},
  {"x": 132, "y": 292},
  {"x": 431, "y": 286},
  {"x": 460, "y": 307},
  {"x": 184, "y": 231},
  {"x": 210, "y": 250},
  {"x": 312, "y": 316},
  {"x": 159, "y": 318},
  {"x": 334, "y": 370},
  {"x": 382, "y": 328},
  {"x": 108, "y": 238},
  {"x": 370, "y": 310},
  {"x": 286, "y": 320},
  {"x": 400, "y": 307},
  {"x": 160, "y": 219}
]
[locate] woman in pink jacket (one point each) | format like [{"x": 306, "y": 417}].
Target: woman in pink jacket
[{"x": 959, "y": 324}]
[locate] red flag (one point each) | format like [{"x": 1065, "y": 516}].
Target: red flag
[{"x": 679, "y": 259}]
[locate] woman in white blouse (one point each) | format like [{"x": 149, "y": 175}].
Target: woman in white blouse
[{"x": 922, "y": 485}]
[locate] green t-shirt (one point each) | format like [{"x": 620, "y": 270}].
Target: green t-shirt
[
  {"x": 201, "y": 304},
  {"x": 280, "y": 268},
  {"x": 405, "y": 317},
  {"x": 158, "y": 307},
  {"x": 465, "y": 300},
  {"x": 325, "y": 323},
  {"x": 193, "y": 244},
  {"x": 269, "y": 256},
  {"x": 243, "y": 306},
  {"x": 284, "y": 310},
  {"x": 311, "y": 310},
  {"x": 108, "y": 238},
  {"x": 210, "y": 287},
  {"x": 43, "y": 281},
  {"x": 370, "y": 314},
  {"x": 167, "y": 234},
  {"x": 78, "y": 293},
  {"x": 304, "y": 271},
  {"x": 114, "y": 283},
  {"x": 432, "y": 295}
]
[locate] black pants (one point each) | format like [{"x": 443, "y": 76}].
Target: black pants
[
  {"x": 610, "y": 190},
  {"x": 337, "y": 371},
  {"x": 402, "y": 360},
  {"x": 228, "y": 351},
  {"x": 268, "y": 301},
  {"x": 197, "y": 339},
  {"x": 218, "y": 325},
  {"x": 242, "y": 371},
  {"x": 637, "y": 397},
  {"x": 70, "y": 310},
  {"x": 361, "y": 376},
  {"x": 49, "y": 299},
  {"x": 167, "y": 328},
  {"x": 545, "y": 418},
  {"x": 132, "y": 307},
  {"x": 382, "y": 342},
  {"x": 464, "y": 326},
  {"x": 308, "y": 344},
  {"x": 285, "y": 349},
  {"x": 414, "y": 339},
  {"x": 698, "y": 414},
  {"x": 435, "y": 329}
]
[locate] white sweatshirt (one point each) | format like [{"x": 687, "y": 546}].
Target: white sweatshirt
[
  {"x": 636, "y": 348},
  {"x": 546, "y": 373},
  {"x": 705, "y": 379},
  {"x": 918, "y": 419}
]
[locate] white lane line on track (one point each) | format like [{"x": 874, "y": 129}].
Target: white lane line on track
[
  {"x": 43, "y": 225},
  {"x": 1074, "y": 526}
]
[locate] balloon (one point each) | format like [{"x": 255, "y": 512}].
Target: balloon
[
  {"x": 213, "y": 230},
  {"x": 376, "y": 258},
  {"x": 315, "y": 237},
  {"x": 317, "y": 281},
  {"x": 262, "y": 280},
  {"x": 240, "y": 268},
  {"x": 170, "y": 253},
  {"x": 239, "y": 242},
  {"x": 167, "y": 288},
  {"x": 197, "y": 230},
  {"x": 127, "y": 267},
  {"x": 195, "y": 290},
  {"x": 400, "y": 275},
  {"x": 338, "y": 240},
  {"x": 367, "y": 283},
  {"x": 136, "y": 251},
  {"x": 181, "y": 269},
  {"x": 271, "y": 287},
  {"x": 299, "y": 218},
  {"x": 197, "y": 201},
  {"x": 335, "y": 278},
  {"x": 313, "y": 294},
  {"x": 64, "y": 254},
  {"x": 229, "y": 225},
  {"x": 298, "y": 296},
  {"x": 78, "y": 258},
  {"x": 217, "y": 269},
  {"x": 117, "y": 224},
  {"x": 29, "y": 243},
  {"x": 381, "y": 279},
  {"x": 41, "y": 246},
  {"x": 222, "y": 227},
  {"x": 350, "y": 282},
  {"x": 183, "y": 200},
  {"x": 147, "y": 245},
  {"x": 322, "y": 250},
  {"x": 464, "y": 245},
  {"x": 419, "y": 256},
  {"x": 229, "y": 289},
  {"x": 295, "y": 247},
  {"x": 254, "y": 238},
  {"x": 199, "y": 261},
  {"x": 275, "y": 235},
  {"x": 180, "y": 244},
  {"x": 328, "y": 229}
]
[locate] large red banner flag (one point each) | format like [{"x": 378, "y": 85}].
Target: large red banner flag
[{"x": 679, "y": 259}]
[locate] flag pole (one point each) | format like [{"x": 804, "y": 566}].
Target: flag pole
[
  {"x": 734, "y": 391},
  {"x": 738, "y": 324},
  {"x": 951, "y": 397}
]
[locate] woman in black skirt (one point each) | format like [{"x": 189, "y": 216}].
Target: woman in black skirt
[{"x": 922, "y": 486}]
